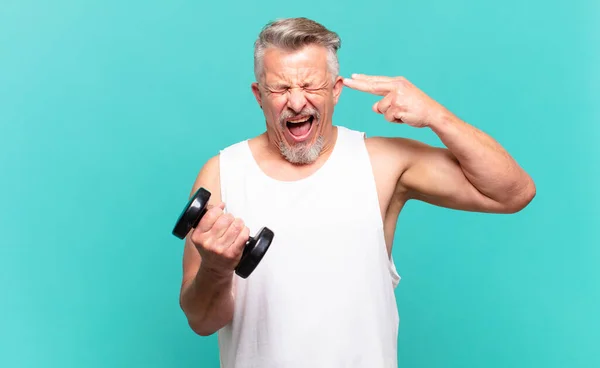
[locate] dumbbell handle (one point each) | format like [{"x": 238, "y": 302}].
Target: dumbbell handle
[{"x": 254, "y": 249}]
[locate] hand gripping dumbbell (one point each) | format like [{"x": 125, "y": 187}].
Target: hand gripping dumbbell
[{"x": 255, "y": 247}]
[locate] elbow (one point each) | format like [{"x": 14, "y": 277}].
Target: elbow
[
  {"x": 521, "y": 198},
  {"x": 194, "y": 323},
  {"x": 206, "y": 328},
  {"x": 200, "y": 329},
  {"x": 199, "y": 323}
]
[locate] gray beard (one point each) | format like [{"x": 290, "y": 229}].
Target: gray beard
[{"x": 303, "y": 153}]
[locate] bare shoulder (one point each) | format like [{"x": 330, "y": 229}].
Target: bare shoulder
[
  {"x": 391, "y": 156},
  {"x": 208, "y": 177},
  {"x": 392, "y": 146}
]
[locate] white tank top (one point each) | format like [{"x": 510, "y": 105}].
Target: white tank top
[{"x": 323, "y": 295}]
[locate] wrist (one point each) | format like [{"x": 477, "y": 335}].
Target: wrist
[
  {"x": 442, "y": 120},
  {"x": 213, "y": 274}
]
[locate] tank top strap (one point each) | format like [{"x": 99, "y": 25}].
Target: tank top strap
[{"x": 234, "y": 161}]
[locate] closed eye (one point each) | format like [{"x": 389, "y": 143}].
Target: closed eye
[
  {"x": 278, "y": 89},
  {"x": 309, "y": 87},
  {"x": 312, "y": 87}
]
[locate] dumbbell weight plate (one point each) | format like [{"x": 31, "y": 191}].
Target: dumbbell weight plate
[
  {"x": 192, "y": 213},
  {"x": 254, "y": 249}
]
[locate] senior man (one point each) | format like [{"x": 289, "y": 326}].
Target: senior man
[{"x": 323, "y": 295}]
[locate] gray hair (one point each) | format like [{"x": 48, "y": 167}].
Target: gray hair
[{"x": 293, "y": 34}]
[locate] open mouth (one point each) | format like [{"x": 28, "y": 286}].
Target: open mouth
[{"x": 300, "y": 127}]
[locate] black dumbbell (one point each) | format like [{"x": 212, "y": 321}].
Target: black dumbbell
[{"x": 255, "y": 247}]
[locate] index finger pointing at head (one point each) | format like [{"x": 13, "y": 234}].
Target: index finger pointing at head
[
  {"x": 376, "y": 87},
  {"x": 376, "y": 78}
]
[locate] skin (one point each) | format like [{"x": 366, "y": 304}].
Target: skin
[
  {"x": 294, "y": 82},
  {"x": 472, "y": 173}
]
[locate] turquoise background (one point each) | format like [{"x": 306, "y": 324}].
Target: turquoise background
[{"x": 108, "y": 109}]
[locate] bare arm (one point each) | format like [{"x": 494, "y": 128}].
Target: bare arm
[
  {"x": 206, "y": 295},
  {"x": 207, "y": 301},
  {"x": 472, "y": 173}
]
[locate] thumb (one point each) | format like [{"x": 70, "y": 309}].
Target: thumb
[
  {"x": 375, "y": 107},
  {"x": 221, "y": 205}
]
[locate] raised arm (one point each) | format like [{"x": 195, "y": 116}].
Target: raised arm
[{"x": 473, "y": 172}]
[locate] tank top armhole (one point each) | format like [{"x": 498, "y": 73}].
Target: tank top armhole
[
  {"x": 223, "y": 174},
  {"x": 227, "y": 159},
  {"x": 232, "y": 159},
  {"x": 394, "y": 274}
]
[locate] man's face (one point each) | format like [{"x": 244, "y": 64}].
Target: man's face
[{"x": 297, "y": 94}]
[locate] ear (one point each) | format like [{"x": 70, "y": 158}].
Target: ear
[
  {"x": 256, "y": 92},
  {"x": 338, "y": 86}
]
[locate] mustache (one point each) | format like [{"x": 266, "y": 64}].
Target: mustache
[{"x": 288, "y": 114}]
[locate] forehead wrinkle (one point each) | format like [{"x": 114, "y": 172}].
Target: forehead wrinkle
[
  {"x": 295, "y": 67},
  {"x": 293, "y": 74}
]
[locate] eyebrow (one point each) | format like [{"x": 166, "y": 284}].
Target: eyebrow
[
  {"x": 277, "y": 85},
  {"x": 309, "y": 83}
]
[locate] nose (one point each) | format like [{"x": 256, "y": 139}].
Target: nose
[{"x": 296, "y": 100}]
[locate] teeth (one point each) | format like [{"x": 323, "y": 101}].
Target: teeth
[{"x": 298, "y": 121}]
